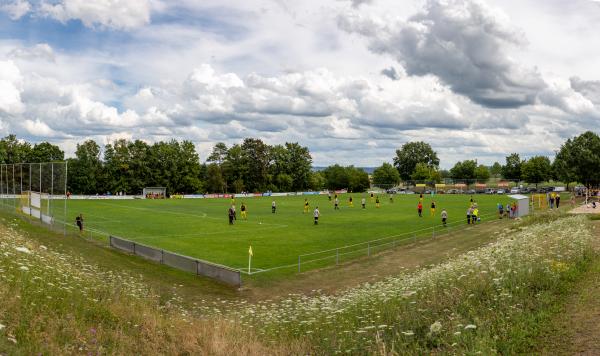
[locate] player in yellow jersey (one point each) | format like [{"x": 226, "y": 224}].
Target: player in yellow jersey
[
  {"x": 243, "y": 211},
  {"x": 306, "y": 206},
  {"x": 432, "y": 210},
  {"x": 350, "y": 202},
  {"x": 377, "y": 202}
]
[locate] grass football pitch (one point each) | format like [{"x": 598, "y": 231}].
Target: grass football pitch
[{"x": 199, "y": 227}]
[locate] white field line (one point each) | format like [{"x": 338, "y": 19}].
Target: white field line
[{"x": 203, "y": 216}]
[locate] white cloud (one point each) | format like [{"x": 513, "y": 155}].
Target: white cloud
[
  {"x": 461, "y": 42},
  {"x": 115, "y": 14},
  {"x": 10, "y": 88},
  {"x": 16, "y": 8},
  {"x": 39, "y": 51},
  {"x": 468, "y": 83}
]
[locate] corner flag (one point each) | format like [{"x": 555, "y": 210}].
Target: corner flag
[{"x": 249, "y": 259}]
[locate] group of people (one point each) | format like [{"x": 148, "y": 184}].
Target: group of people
[
  {"x": 511, "y": 210},
  {"x": 231, "y": 213}
]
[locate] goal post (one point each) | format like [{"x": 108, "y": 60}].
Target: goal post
[
  {"x": 37, "y": 190},
  {"x": 154, "y": 193}
]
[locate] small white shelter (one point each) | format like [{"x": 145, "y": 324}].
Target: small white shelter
[{"x": 522, "y": 204}]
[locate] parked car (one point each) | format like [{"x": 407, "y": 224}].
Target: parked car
[
  {"x": 500, "y": 191},
  {"x": 524, "y": 190},
  {"x": 514, "y": 190},
  {"x": 471, "y": 191},
  {"x": 428, "y": 191},
  {"x": 392, "y": 191},
  {"x": 452, "y": 191},
  {"x": 490, "y": 191}
]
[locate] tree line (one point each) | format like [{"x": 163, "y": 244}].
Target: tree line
[
  {"x": 254, "y": 166},
  {"x": 577, "y": 160}
]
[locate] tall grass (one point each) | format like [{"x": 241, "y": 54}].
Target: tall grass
[
  {"x": 492, "y": 300},
  {"x": 56, "y": 304}
]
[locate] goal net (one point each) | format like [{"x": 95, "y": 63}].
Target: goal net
[
  {"x": 155, "y": 193},
  {"x": 37, "y": 190}
]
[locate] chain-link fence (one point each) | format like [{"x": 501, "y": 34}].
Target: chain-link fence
[{"x": 35, "y": 190}]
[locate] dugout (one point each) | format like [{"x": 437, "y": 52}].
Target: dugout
[{"x": 522, "y": 204}]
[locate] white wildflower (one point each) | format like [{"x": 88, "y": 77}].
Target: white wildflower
[
  {"x": 435, "y": 327},
  {"x": 23, "y": 249},
  {"x": 408, "y": 333},
  {"x": 470, "y": 326}
]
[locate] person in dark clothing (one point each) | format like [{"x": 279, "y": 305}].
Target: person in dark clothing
[
  {"x": 557, "y": 200},
  {"x": 79, "y": 222},
  {"x": 231, "y": 215}
]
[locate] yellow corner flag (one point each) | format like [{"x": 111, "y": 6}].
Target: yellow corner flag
[{"x": 249, "y": 260}]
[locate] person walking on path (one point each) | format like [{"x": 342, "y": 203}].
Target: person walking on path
[{"x": 79, "y": 222}]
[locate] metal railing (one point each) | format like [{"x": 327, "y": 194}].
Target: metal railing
[{"x": 369, "y": 247}]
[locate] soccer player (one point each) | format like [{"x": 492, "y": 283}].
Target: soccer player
[
  {"x": 420, "y": 209},
  {"x": 475, "y": 215},
  {"x": 391, "y": 199},
  {"x": 557, "y": 200},
  {"x": 444, "y": 217},
  {"x": 363, "y": 202},
  {"x": 329, "y": 195},
  {"x": 231, "y": 214},
  {"x": 432, "y": 210},
  {"x": 377, "y": 201},
  {"x": 273, "y": 206},
  {"x": 500, "y": 210},
  {"x": 469, "y": 212},
  {"x": 305, "y": 206},
  {"x": 372, "y": 195},
  {"x": 316, "y": 215},
  {"x": 350, "y": 202},
  {"x": 243, "y": 211},
  {"x": 336, "y": 204},
  {"x": 79, "y": 222},
  {"x": 232, "y": 199}
]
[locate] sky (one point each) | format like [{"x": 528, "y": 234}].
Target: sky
[{"x": 351, "y": 79}]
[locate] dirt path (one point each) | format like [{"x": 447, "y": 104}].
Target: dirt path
[{"x": 577, "y": 330}]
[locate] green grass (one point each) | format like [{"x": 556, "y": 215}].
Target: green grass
[{"x": 199, "y": 228}]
